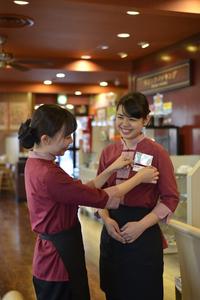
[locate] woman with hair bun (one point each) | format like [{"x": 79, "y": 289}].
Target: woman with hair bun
[{"x": 53, "y": 197}]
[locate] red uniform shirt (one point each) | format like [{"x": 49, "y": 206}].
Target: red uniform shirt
[
  {"x": 53, "y": 198},
  {"x": 146, "y": 194}
]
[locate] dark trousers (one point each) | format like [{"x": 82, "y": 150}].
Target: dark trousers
[{"x": 51, "y": 290}]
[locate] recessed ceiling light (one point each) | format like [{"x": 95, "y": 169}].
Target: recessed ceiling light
[
  {"x": 104, "y": 47},
  {"x": 122, "y": 54},
  {"x": 60, "y": 75},
  {"x": 21, "y": 2},
  {"x": 123, "y": 35},
  {"x": 103, "y": 83},
  {"x": 85, "y": 56},
  {"x": 133, "y": 12},
  {"x": 166, "y": 57},
  {"x": 143, "y": 45},
  {"x": 47, "y": 82},
  {"x": 192, "y": 48},
  {"x": 78, "y": 93}
]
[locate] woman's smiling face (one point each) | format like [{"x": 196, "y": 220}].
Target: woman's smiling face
[
  {"x": 128, "y": 127},
  {"x": 60, "y": 143},
  {"x": 56, "y": 145}
]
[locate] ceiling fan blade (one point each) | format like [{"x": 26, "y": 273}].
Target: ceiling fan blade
[
  {"x": 35, "y": 62},
  {"x": 18, "y": 66}
]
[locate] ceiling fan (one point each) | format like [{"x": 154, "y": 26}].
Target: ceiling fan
[{"x": 7, "y": 59}]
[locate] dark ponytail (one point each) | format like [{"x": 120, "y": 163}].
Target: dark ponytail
[
  {"x": 26, "y": 135},
  {"x": 48, "y": 119}
]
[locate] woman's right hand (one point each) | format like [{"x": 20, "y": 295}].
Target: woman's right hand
[
  {"x": 121, "y": 162},
  {"x": 113, "y": 230},
  {"x": 148, "y": 175}
]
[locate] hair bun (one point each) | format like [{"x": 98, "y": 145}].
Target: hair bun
[{"x": 26, "y": 135}]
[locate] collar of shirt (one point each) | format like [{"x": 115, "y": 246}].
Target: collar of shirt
[
  {"x": 124, "y": 173},
  {"x": 35, "y": 154},
  {"x": 134, "y": 143}
]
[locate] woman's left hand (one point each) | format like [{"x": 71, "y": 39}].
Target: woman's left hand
[{"x": 131, "y": 231}]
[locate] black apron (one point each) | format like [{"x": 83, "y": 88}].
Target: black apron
[
  {"x": 69, "y": 245},
  {"x": 132, "y": 271}
]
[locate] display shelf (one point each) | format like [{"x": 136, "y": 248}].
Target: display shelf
[
  {"x": 188, "y": 183},
  {"x": 186, "y": 187}
]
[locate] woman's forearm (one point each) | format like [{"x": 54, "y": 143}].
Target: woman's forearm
[
  {"x": 145, "y": 175},
  {"x": 119, "y": 163},
  {"x": 100, "y": 179},
  {"x": 149, "y": 220},
  {"x": 129, "y": 184}
]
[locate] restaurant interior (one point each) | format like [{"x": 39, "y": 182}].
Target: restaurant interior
[{"x": 84, "y": 55}]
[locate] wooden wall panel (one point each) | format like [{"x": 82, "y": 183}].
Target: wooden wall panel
[{"x": 186, "y": 101}]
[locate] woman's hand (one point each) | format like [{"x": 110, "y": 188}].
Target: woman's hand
[
  {"x": 121, "y": 162},
  {"x": 113, "y": 230},
  {"x": 148, "y": 175},
  {"x": 131, "y": 231}
]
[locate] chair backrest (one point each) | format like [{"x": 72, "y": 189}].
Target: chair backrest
[
  {"x": 188, "y": 245},
  {"x": 13, "y": 295}
]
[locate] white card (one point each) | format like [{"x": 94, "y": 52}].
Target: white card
[{"x": 143, "y": 159}]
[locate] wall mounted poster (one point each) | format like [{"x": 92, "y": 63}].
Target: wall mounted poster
[
  {"x": 3, "y": 115},
  {"x": 18, "y": 113}
]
